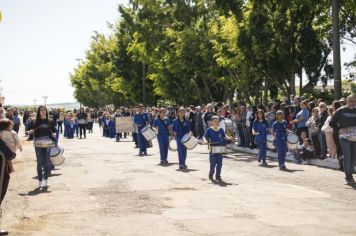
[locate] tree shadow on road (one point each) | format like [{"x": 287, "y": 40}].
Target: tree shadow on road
[{"x": 35, "y": 192}]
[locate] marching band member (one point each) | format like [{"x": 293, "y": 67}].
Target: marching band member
[
  {"x": 215, "y": 136},
  {"x": 106, "y": 121},
  {"x": 112, "y": 127},
  {"x": 181, "y": 126},
  {"x": 162, "y": 126},
  {"x": 280, "y": 132},
  {"x": 141, "y": 120},
  {"x": 118, "y": 135},
  {"x": 260, "y": 128}
]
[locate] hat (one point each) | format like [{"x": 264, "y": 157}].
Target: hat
[{"x": 214, "y": 117}]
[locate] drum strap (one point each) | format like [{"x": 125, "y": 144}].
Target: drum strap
[
  {"x": 182, "y": 126},
  {"x": 282, "y": 126},
  {"x": 143, "y": 119},
  {"x": 165, "y": 126}
]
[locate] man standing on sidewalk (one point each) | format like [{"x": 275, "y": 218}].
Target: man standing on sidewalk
[{"x": 344, "y": 120}]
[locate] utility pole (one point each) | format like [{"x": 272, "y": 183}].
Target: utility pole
[
  {"x": 144, "y": 84},
  {"x": 336, "y": 49},
  {"x": 44, "y": 99},
  {"x": 34, "y": 103}
]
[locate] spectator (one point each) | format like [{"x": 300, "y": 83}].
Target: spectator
[
  {"x": 323, "y": 115},
  {"x": 313, "y": 131},
  {"x": 302, "y": 118}
]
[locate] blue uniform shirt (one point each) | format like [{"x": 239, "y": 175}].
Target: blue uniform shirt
[
  {"x": 181, "y": 127},
  {"x": 162, "y": 126},
  {"x": 141, "y": 120},
  {"x": 305, "y": 114},
  {"x": 260, "y": 128},
  {"x": 280, "y": 128},
  {"x": 215, "y": 138}
]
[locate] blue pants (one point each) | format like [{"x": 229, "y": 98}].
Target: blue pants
[
  {"x": 323, "y": 146},
  {"x": 215, "y": 162},
  {"x": 142, "y": 143},
  {"x": 60, "y": 127},
  {"x": 349, "y": 150},
  {"x": 66, "y": 131},
  {"x": 43, "y": 163},
  {"x": 262, "y": 150},
  {"x": 163, "y": 142},
  {"x": 71, "y": 133},
  {"x": 182, "y": 152},
  {"x": 281, "y": 147},
  {"x": 76, "y": 127}
]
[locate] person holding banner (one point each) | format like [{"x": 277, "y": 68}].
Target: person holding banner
[
  {"x": 141, "y": 120},
  {"x": 162, "y": 127},
  {"x": 181, "y": 126}
]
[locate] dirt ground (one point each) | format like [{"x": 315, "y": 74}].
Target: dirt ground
[{"x": 105, "y": 188}]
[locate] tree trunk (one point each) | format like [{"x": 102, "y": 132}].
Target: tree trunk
[
  {"x": 144, "y": 83},
  {"x": 300, "y": 82},
  {"x": 292, "y": 81},
  {"x": 265, "y": 92},
  {"x": 336, "y": 49}
]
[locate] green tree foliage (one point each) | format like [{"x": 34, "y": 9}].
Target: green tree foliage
[{"x": 196, "y": 51}]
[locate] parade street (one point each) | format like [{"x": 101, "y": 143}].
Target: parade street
[{"x": 105, "y": 188}]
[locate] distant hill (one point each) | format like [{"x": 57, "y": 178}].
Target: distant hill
[{"x": 66, "y": 105}]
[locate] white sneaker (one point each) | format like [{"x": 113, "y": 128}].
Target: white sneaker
[{"x": 45, "y": 183}]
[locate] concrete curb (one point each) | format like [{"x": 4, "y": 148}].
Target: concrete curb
[{"x": 327, "y": 163}]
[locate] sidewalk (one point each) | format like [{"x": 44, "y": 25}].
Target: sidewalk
[{"x": 327, "y": 163}]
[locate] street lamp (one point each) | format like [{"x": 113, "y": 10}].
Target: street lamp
[{"x": 44, "y": 99}]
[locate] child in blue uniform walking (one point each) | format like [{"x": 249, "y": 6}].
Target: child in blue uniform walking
[
  {"x": 215, "y": 136},
  {"x": 181, "y": 127},
  {"x": 162, "y": 125},
  {"x": 259, "y": 130},
  {"x": 141, "y": 120},
  {"x": 280, "y": 132}
]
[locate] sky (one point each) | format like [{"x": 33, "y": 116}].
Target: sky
[{"x": 40, "y": 41}]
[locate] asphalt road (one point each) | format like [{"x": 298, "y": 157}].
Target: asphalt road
[{"x": 105, "y": 188}]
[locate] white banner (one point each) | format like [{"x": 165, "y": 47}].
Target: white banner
[{"x": 124, "y": 124}]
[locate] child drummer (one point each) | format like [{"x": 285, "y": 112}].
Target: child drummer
[{"x": 215, "y": 136}]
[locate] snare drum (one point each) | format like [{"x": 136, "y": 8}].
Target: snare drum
[
  {"x": 56, "y": 156},
  {"x": 218, "y": 149},
  {"x": 292, "y": 141},
  {"x": 189, "y": 141},
  {"x": 172, "y": 144},
  {"x": 148, "y": 133},
  {"x": 228, "y": 126},
  {"x": 270, "y": 142}
]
